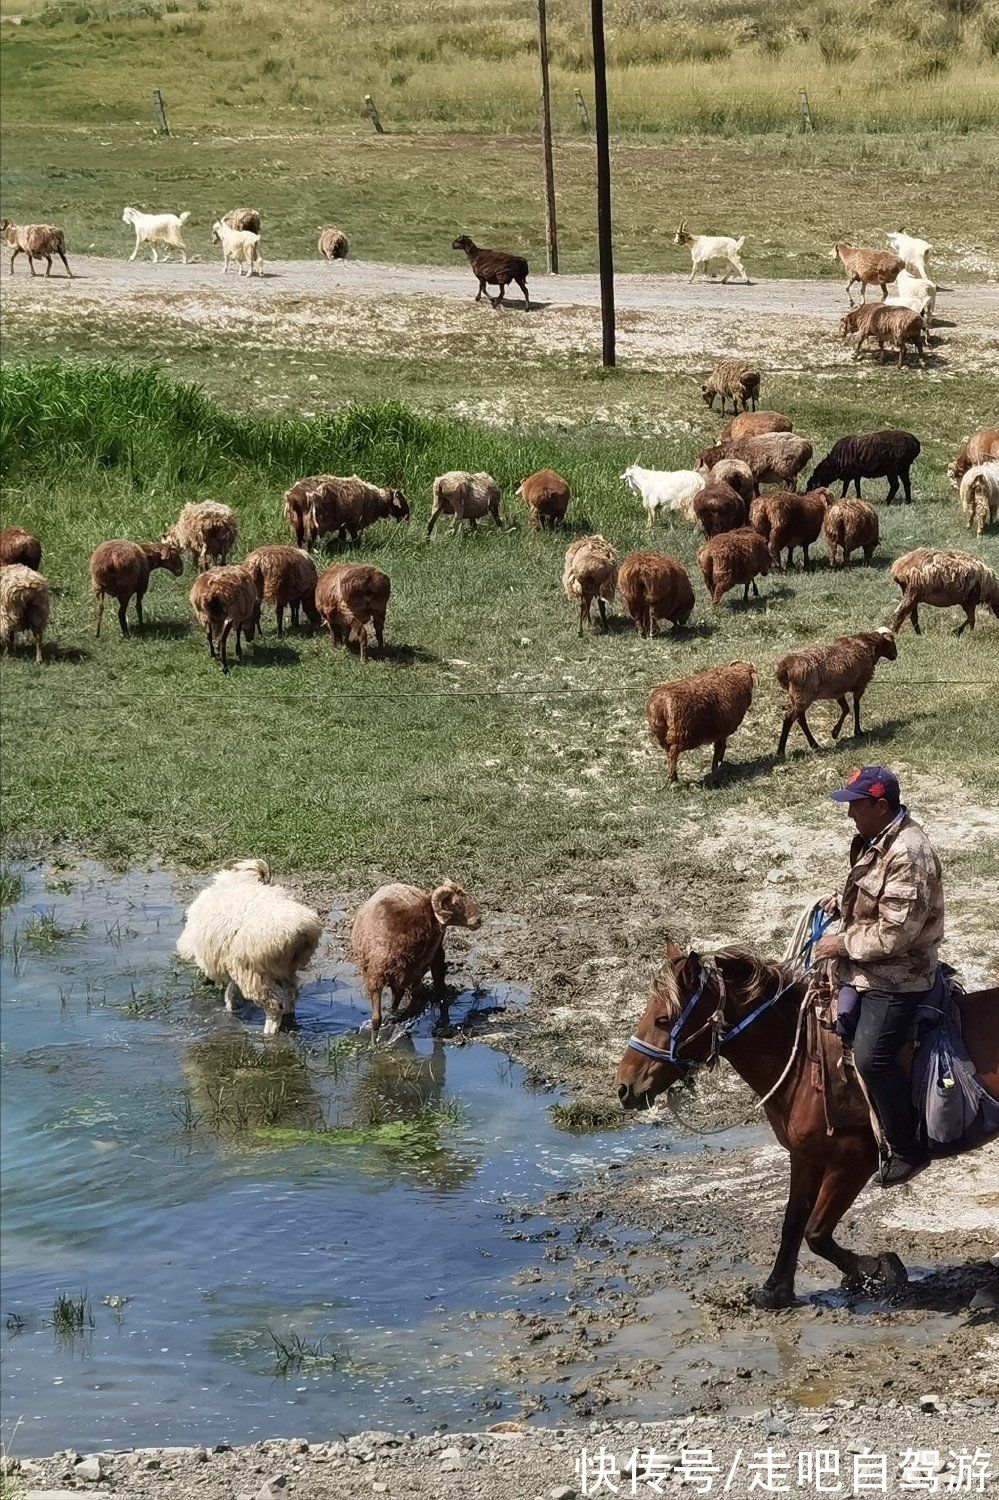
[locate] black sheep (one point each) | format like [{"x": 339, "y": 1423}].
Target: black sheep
[
  {"x": 870, "y": 455},
  {"x": 494, "y": 268}
]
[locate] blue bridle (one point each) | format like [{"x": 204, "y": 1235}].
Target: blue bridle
[{"x": 722, "y": 1036}]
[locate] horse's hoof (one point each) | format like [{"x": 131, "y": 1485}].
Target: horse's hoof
[
  {"x": 771, "y": 1297},
  {"x": 891, "y": 1270}
]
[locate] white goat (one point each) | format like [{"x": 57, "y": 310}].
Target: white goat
[
  {"x": 912, "y": 289},
  {"x": 252, "y": 937},
  {"x": 980, "y": 496},
  {"x": 239, "y": 245},
  {"x": 704, "y": 248},
  {"x": 157, "y": 229},
  {"x": 911, "y": 250},
  {"x": 659, "y": 489}
]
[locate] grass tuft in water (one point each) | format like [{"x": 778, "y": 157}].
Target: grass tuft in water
[
  {"x": 583, "y": 1115},
  {"x": 293, "y": 1354},
  {"x": 41, "y": 930},
  {"x": 11, "y": 888},
  {"x": 72, "y": 1315},
  {"x": 15, "y": 1324}
]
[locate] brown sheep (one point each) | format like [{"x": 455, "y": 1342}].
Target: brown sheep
[
  {"x": 494, "y": 268},
  {"x": 734, "y": 472},
  {"x": 285, "y": 576},
  {"x": 207, "y": 530},
  {"x": 895, "y": 327},
  {"x": 20, "y": 546},
  {"x": 718, "y": 507},
  {"x": 774, "y": 457},
  {"x": 465, "y": 497},
  {"x": 735, "y": 380},
  {"x": 243, "y": 218},
  {"x": 349, "y": 596},
  {"x": 25, "y": 604},
  {"x": 122, "y": 570},
  {"x": 735, "y": 557},
  {"x": 787, "y": 520},
  {"x": 590, "y": 572},
  {"x": 754, "y": 424},
  {"x": 705, "y": 708},
  {"x": 850, "y": 524},
  {"x": 655, "y": 586},
  {"x": 845, "y": 666},
  {"x": 982, "y": 446},
  {"x": 397, "y": 937},
  {"x": 297, "y": 507},
  {"x": 930, "y": 575},
  {"x": 41, "y": 240},
  {"x": 332, "y": 242},
  {"x": 349, "y": 506},
  {"x": 869, "y": 267},
  {"x": 225, "y": 600},
  {"x": 546, "y": 496}
]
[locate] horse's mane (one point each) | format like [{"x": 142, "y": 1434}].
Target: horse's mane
[{"x": 755, "y": 977}]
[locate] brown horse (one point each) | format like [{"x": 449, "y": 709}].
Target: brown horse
[{"x": 741, "y": 1007}]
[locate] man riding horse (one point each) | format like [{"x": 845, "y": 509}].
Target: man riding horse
[{"x": 892, "y": 913}]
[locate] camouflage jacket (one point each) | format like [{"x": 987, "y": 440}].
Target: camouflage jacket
[{"x": 893, "y": 912}]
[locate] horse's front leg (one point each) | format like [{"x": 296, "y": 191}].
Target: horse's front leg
[
  {"x": 840, "y": 1187},
  {"x": 778, "y": 1289}
]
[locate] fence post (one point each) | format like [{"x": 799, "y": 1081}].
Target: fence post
[
  {"x": 551, "y": 226},
  {"x": 159, "y": 113},
  {"x": 584, "y": 113},
  {"x": 372, "y": 114},
  {"x": 806, "y": 113}
]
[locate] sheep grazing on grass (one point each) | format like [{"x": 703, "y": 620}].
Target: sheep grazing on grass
[
  {"x": 465, "y": 497},
  {"x": 40, "y": 241},
  {"x": 754, "y": 424},
  {"x": 121, "y": 570},
  {"x": 348, "y": 506},
  {"x": 737, "y": 475},
  {"x": 893, "y": 328},
  {"x": 285, "y": 578},
  {"x": 239, "y": 246},
  {"x": 787, "y": 520},
  {"x": 655, "y": 586},
  {"x": 397, "y": 938},
  {"x": 842, "y": 668},
  {"x": 547, "y": 497},
  {"x": 494, "y": 268},
  {"x": 731, "y": 559},
  {"x": 349, "y": 598},
  {"x": 980, "y": 496},
  {"x": 911, "y": 251},
  {"x": 226, "y": 600},
  {"x": 205, "y": 529},
  {"x": 242, "y": 218},
  {"x": 719, "y": 508},
  {"x": 735, "y": 380},
  {"x": 979, "y": 448},
  {"x": 332, "y": 242},
  {"x": 297, "y": 506},
  {"x": 705, "y": 708},
  {"x": 773, "y": 457},
  {"x": 869, "y": 267},
  {"x": 849, "y": 525},
  {"x": 664, "y": 490},
  {"x": 157, "y": 229},
  {"x": 590, "y": 573},
  {"x": 931, "y": 575},
  {"x": 20, "y": 546},
  {"x": 888, "y": 454},
  {"x": 25, "y": 605},
  {"x": 705, "y": 248},
  {"x": 253, "y": 938}
]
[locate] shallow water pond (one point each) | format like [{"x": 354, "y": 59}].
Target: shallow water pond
[{"x": 249, "y": 1237}]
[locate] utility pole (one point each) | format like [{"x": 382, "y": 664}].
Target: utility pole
[
  {"x": 551, "y": 228},
  {"x": 604, "y": 232}
]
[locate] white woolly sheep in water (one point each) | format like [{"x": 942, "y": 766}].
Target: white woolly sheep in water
[{"x": 251, "y": 937}]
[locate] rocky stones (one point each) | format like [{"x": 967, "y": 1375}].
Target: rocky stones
[
  {"x": 272, "y": 1489},
  {"x": 929, "y": 1402},
  {"x": 91, "y": 1470},
  {"x": 451, "y": 1460}
]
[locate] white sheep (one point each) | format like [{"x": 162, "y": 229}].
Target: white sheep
[
  {"x": 980, "y": 495},
  {"x": 157, "y": 229},
  {"x": 918, "y": 293},
  {"x": 239, "y": 245},
  {"x": 704, "y": 248},
  {"x": 911, "y": 250},
  {"x": 252, "y": 937},
  {"x": 659, "y": 489}
]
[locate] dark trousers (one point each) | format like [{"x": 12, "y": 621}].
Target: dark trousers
[{"x": 886, "y": 1023}]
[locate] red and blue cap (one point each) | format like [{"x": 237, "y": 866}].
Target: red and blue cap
[{"x": 871, "y": 783}]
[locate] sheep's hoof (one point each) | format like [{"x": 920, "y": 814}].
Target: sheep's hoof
[
  {"x": 233, "y": 996},
  {"x": 272, "y": 1025}
]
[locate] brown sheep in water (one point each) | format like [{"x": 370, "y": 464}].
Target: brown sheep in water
[
  {"x": 285, "y": 576},
  {"x": 850, "y": 524},
  {"x": 225, "y": 600},
  {"x": 787, "y": 520},
  {"x": 349, "y": 597},
  {"x": 845, "y": 666},
  {"x": 733, "y": 558},
  {"x": 590, "y": 572},
  {"x": 398, "y": 935},
  {"x": 931, "y": 575},
  {"x": 25, "y": 604},
  {"x": 546, "y": 496},
  {"x": 655, "y": 586},
  {"x": 718, "y": 507},
  {"x": 705, "y": 708},
  {"x": 121, "y": 570},
  {"x": 20, "y": 546}
]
